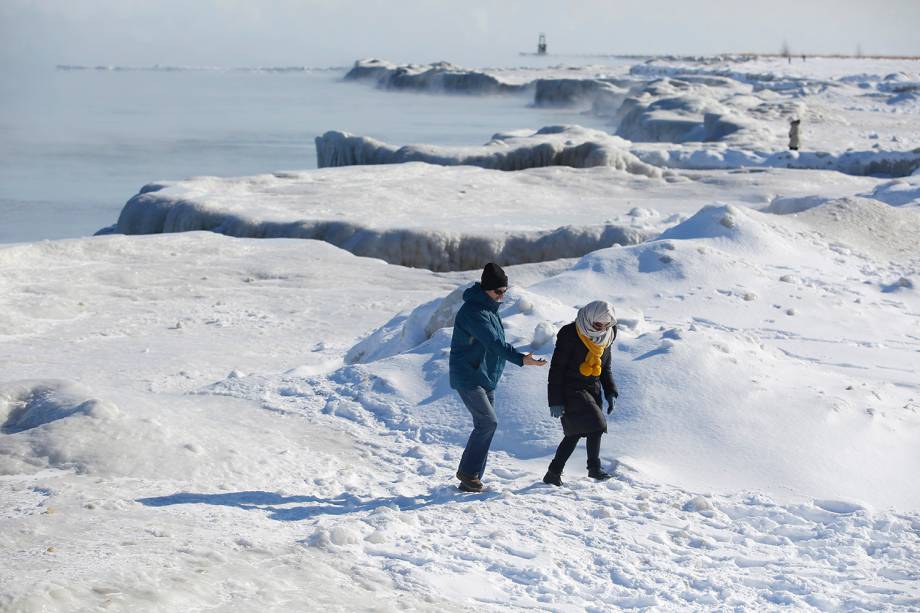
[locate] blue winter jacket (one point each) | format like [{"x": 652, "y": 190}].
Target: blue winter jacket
[{"x": 478, "y": 350}]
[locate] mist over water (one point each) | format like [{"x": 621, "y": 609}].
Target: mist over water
[{"x": 75, "y": 145}]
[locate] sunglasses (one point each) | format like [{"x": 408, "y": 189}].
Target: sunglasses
[
  {"x": 500, "y": 292},
  {"x": 600, "y": 327}
]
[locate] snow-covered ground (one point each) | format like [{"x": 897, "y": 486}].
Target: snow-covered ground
[
  {"x": 194, "y": 421},
  {"x": 721, "y": 113}
]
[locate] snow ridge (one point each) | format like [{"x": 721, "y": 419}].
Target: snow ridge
[
  {"x": 572, "y": 146},
  {"x": 439, "y": 77}
]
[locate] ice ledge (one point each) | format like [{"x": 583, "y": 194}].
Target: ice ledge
[
  {"x": 435, "y": 250},
  {"x": 437, "y": 77},
  {"x": 572, "y": 146}
]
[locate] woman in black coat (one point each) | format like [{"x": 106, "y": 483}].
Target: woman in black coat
[{"x": 579, "y": 376}]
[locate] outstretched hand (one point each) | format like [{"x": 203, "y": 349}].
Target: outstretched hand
[{"x": 529, "y": 360}]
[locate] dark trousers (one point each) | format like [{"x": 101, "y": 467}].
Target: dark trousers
[{"x": 567, "y": 446}]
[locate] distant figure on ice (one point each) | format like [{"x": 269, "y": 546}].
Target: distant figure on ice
[
  {"x": 478, "y": 353},
  {"x": 794, "y": 134},
  {"x": 578, "y": 375}
]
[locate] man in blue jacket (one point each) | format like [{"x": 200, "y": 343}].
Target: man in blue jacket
[{"x": 478, "y": 353}]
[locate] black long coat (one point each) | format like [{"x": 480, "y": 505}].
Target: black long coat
[{"x": 580, "y": 395}]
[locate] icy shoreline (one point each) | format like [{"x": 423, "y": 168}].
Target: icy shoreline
[
  {"x": 578, "y": 147},
  {"x": 450, "y": 217},
  {"x": 190, "y": 420}
]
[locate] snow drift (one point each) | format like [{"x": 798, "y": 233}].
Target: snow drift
[{"x": 711, "y": 381}]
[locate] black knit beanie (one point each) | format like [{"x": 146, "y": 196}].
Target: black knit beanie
[{"x": 493, "y": 277}]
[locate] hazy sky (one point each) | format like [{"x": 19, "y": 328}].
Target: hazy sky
[{"x": 473, "y": 32}]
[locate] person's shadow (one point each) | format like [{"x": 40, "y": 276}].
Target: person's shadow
[{"x": 311, "y": 506}]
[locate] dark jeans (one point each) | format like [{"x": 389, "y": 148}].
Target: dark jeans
[
  {"x": 567, "y": 446},
  {"x": 480, "y": 404}
]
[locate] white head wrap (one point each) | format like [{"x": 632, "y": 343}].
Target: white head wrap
[{"x": 598, "y": 311}]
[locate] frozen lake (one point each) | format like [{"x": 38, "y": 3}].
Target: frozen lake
[{"x": 75, "y": 145}]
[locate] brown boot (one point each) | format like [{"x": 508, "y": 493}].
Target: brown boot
[{"x": 469, "y": 483}]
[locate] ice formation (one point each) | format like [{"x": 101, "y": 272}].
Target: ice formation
[
  {"x": 677, "y": 110},
  {"x": 437, "y": 77},
  {"x": 152, "y": 212},
  {"x": 550, "y": 146},
  {"x": 862, "y": 163},
  {"x": 602, "y": 95}
]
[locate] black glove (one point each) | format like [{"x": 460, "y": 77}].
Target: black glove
[{"x": 611, "y": 402}]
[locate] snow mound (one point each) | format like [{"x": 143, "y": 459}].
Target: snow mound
[
  {"x": 900, "y": 192},
  {"x": 868, "y": 225},
  {"x": 678, "y": 111},
  {"x": 727, "y": 226},
  {"x": 408, "y": 330},
  {"x": 550, "y": 146},
  {"x": 29, "y": 404},
  {"x": 709, "y": 382},
  {"x": 439, "y": 77},
  {"x": 789, "y": 84},
  {"x": 62, "y": 425},
  {"x": 55, "y": 424},
  {"x": 903, "y": 88},
  {"x": 789, "y": 205}
]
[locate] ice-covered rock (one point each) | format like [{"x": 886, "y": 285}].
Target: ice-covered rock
[
  {"x": 362, "y": 209},
  {"x": 603, "y": 95},
  {"x": 677, "y": 111},
  {"x": 550, "y": 146},
  {"x": 859, "y": 163},
  {"x": 439, "y": 77},
  {"x": 757, "y": 79}
]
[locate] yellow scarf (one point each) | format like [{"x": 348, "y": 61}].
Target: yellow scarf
[{"x": 592, "y": 363}]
